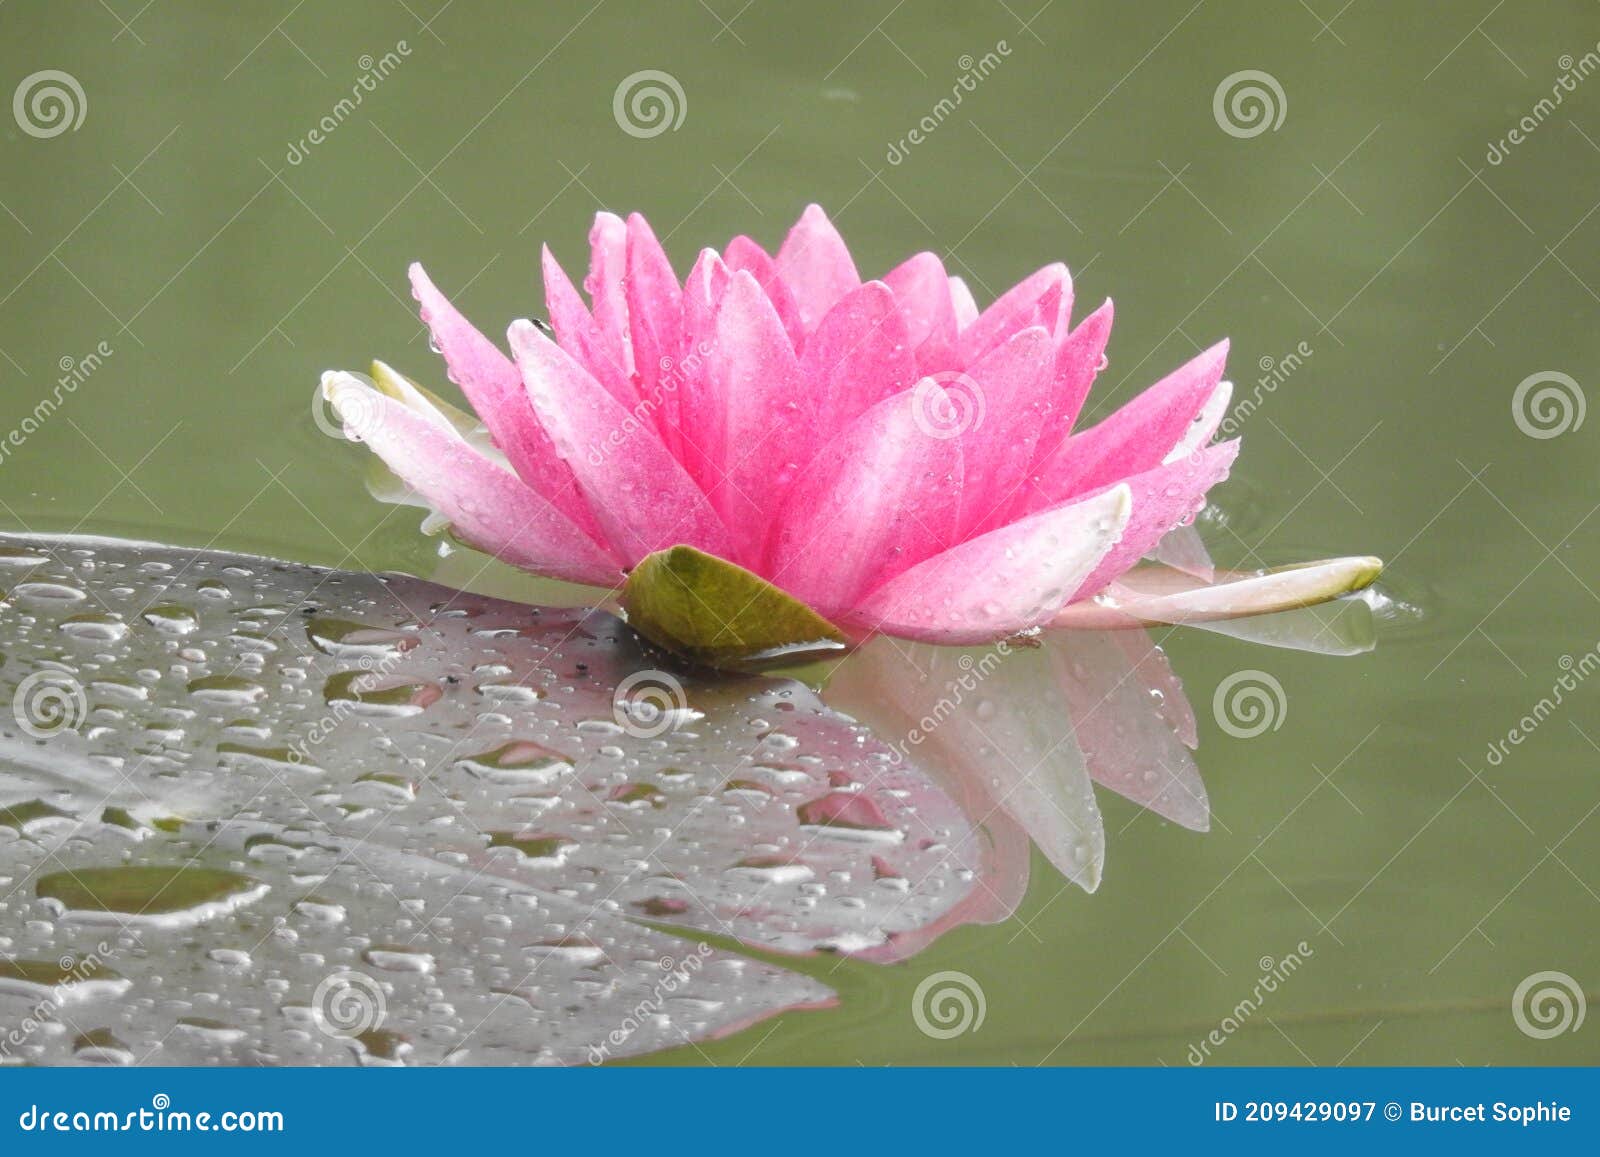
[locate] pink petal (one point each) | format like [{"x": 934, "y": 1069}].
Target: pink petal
[
  {"x": 694, "y": 410},
  {"x": 1009, "y": 580},
  {"x": 1162, "y": 498},
  {"x": 923, "y": 292},
  {"x": 858, "y": 356},
  {"x": 1134, "y": 439},
  {"x": 962, "y": 302},
  {"x": 1011, "y": 385},
  {"x": 1155, "y": 672},
  {"x": 655, "y": 319},
  {"x": 758, "y": 426},
  {"x": 1053, "y": 310},
  {"x": 1079, "y": 356},
  {"x": 579, "y": 334},
  {"x": 1110, "y": 679},
  {"x": 702, "y": 294},
  {"x": 1205, "y": 423},
  {"x": 1018, "y": 308},
  {"x": 488, "y": 506},
  {"x": 1047, "y": 790},
  {"x": 608, "y": 265},
  {"x": 816, "y": 266},
  {"x": 880, "y": 497},
  {"x": 642, "y": 497},
  {"x": 494, "y": 389},
  {"x": 743, "y": 253},
  {"x": 1183, "y": 549}
]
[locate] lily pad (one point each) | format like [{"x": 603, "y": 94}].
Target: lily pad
[
  {"x": 474, "y": 875},
  {"x": 720, "y": 615}
]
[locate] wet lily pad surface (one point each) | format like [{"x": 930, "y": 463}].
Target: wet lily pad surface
[{"x": 306, "y": 816}]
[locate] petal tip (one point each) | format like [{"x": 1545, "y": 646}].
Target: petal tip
[{"x": 522, "y": 333}]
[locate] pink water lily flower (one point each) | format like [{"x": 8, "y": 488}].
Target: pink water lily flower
[{"x": 884, "y": 451}]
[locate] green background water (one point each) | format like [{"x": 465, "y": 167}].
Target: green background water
[{"x": 1369, "y": 225}]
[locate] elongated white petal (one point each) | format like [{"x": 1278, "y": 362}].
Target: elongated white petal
[{"x": 1157, "y": 594}]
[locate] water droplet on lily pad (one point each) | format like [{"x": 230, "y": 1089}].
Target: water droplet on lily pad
[{"x": 173, "y": 896}]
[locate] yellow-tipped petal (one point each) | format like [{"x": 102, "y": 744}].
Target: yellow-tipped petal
[{"x": 1156, "y": 594}]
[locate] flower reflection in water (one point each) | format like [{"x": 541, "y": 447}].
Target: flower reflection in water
[{"x": 1020, "y": 730}]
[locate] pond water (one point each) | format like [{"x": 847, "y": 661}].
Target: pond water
[{"x": 1411, "y": 838}]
